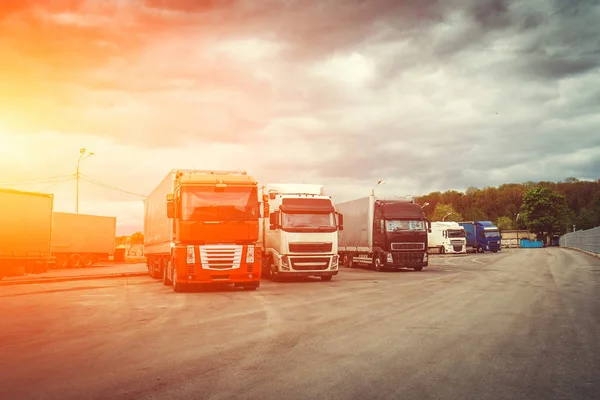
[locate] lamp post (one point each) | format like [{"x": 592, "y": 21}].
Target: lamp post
[
  {"x": 379, "y": 182},
  {"x": 82, "y": 156},
  {"x": 424, "y": 205},
  {"x": 444, "y": 219},
  {"x": 517, "y": 226}
]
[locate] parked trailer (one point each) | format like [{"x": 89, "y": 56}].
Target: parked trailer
[
  {"x": 383, "y": 234},
  {"x": 447, "y": 237},
  {"x": 202, "y": 227},
  {"x": 299, "y": 236},
  {"x": 25, "y": 232},
  {"x": 81, "y": 240},
  {"x": 482, "y": 236}
]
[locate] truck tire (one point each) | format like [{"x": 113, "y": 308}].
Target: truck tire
[
  {"x": 273, "y": 273},
  {"x": 350, "y": 261},
  {"x": 442, "y": 250},
  {"x": 75, "y": 261},
  {"x": 165, "y": 278},
  {"x": 377, "y": 263},
  {"x": 418, "y": 268},
  {"x": 177, "y": 287},
  {"x": 87, "y": 260},
  {"x": 326, "y": 278}
]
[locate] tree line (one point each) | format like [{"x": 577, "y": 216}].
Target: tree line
[{"x": 544, "y": 208}]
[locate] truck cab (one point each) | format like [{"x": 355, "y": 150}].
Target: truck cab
[
  {"x": 447, "y": 237},
  {"x": 482, "y": 236},
  {"x": 299, "y": 232},
  {"x": 208, "y": 231}
]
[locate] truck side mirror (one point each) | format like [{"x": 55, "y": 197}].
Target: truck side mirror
[
  {"x": 428, "y": 222},
  {"x": 274, "y": 220},
  {"x": 170, "y": 209},
  {"x": 340, "y": 221}
]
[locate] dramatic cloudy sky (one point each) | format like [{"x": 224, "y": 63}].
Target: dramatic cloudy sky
[{"x": 428, "y": 95}]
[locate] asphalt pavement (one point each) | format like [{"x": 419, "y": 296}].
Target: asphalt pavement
[{"x": 519, "y": 324}]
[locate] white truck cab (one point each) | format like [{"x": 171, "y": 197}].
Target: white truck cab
[
  {"x": 447, "y": 237},
  {"x": 299, "y": 233}
]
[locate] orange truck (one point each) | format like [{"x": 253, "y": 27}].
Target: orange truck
[
  {"x": 201, "y": 227},
  {"x": 25, "y": 232}
]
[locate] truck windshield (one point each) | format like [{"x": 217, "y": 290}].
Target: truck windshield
[
  {"x": 492, "y": 234},
  {"x": 394, "y": 225},
  {"x": 206, "y": 203},
  {"x": 456, "y": 233},
  {"x": 308, "y": 222}
]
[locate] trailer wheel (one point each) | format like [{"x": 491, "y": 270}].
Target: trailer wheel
[
  {"x": 62, "y": 261},
  {"x": 87, "y": 260},
  {"x": 75, "y": 261}
]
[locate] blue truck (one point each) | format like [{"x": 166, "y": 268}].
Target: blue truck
[{"x": 482, "y": 236}]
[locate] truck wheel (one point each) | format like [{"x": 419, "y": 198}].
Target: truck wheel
[
  {"x": 418, "y": 268},
  {"x": 62, "y": 261},
  {"x": 75, "y": 261},
  {"x": 87, "y": 260},
  {"x": 479, "y": 249},
  {"x": 350, "y": 261},
  {"x": 274, "y": 274},
  {"x": 177, "y": 287},
  {"x": 165, "y": 278},
  {"x": 326, "y": 278},
  {"x": 377, "y": 263},
  {"x": 442, "y": 250}
]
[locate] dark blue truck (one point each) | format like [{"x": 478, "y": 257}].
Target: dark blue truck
[{"x": 482, "y": 236}]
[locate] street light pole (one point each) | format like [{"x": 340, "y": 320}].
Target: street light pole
[
  {"x": 424, "y": 205},
  {"x": 379, "y": 182},
  {"x": 82, "y": 156},
  {"x": 444, "y": 219},
  {"x": 517, "y": 226}
]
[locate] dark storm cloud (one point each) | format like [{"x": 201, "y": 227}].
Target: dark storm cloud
[{"x": 443, "y": 94}]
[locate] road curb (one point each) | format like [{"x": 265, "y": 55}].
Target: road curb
[
  {"x": 72, "y": 278},
  {"x": 589, "y": 253}
]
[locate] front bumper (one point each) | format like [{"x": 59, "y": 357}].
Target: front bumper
[
  {"x": 405, "y": 260},
  {"x": 308, "y": 273}
]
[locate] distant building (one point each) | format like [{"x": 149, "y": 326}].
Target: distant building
[{"x": 511, "y": 238}]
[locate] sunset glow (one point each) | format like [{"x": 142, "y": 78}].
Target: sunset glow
[{"x": 287, "y": 92}]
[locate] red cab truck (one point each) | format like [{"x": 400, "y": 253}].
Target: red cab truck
[
  {"x": 25, "y": 232},
  {"x": 201, "y": 227}
]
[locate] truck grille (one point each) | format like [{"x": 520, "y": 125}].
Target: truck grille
[
  {"x": 408, "y": 246},
  {"x": 310, "y": 264},
  {"x": 310, "y": 247},
  {"x": 407, "y": 258},
  {"x": 457, "y": 245},
  {"x": 220, "y": 257}
]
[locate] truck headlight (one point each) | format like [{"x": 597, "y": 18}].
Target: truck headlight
[
  {"x": 191, "y": 255},
  {"x": 425, "y": 257},
  {"x": 250, "y": 255},
  {"x": 389, "y": 258},
  {"x": 334, "y": 261}
]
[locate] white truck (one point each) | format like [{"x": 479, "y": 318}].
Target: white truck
[
  {"x": 299, "y": 233},
  {"x": 447, "y": 237}
]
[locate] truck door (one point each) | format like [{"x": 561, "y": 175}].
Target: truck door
[{"x": 379, "y": 230}]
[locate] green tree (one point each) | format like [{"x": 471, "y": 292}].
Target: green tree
[
  {"x": 441, "y": 210},
  {"x": 137, "y": 238},
  {"x": 505, "y": 223},
  {"x": 545, "y": 212}
]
